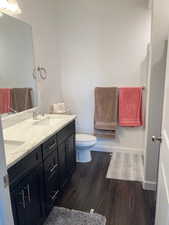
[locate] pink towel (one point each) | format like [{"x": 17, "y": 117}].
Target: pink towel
[
  {"x": 5, "y": 100},
  {"x": 130, "y": 107}
]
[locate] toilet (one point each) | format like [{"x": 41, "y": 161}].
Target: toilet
[{"x": 84, "y": 143}]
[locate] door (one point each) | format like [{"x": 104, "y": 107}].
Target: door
[
  {"x": 154, "y": 108},
  {"x": 19, "y": 205},
  {"x": 34, "y": 196},
  {"x": 27, "y": 199},
  {"x": 162, "y": 208}
]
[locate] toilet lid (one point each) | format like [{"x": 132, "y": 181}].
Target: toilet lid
[{"x": 85, "y": 139}]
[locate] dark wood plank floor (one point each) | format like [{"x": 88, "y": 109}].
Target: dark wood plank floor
[{"x": 123, "y": 203}]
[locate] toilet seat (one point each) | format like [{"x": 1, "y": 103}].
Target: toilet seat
[{"x": 85, "y": 140}]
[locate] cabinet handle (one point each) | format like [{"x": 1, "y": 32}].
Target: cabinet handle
[
  {"x": 53, "y": 168},
  {"x": 37, "y": 156},
  {"x": 23, "y": 199},
  {"x": 54, "y": 196},
  {"x": 28, "y": 190},
  {"x": 51, "y": 146}
]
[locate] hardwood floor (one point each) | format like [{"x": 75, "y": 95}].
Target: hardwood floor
[{"x": 123, "y": 203}]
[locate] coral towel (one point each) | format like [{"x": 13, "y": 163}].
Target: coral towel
[
  {"x": 5, "y": 100},
  {"x": 130, "y": 107}
]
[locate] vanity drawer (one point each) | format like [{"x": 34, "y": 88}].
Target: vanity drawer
[
  {"x": 22, "y": 167},
  {"x": 52, "y": 194},
  {"x": 51, "y": 172},
  {"x": 51, "y": 165},
  {"x": 66, "y": 132},
  {"x": 49, "y": 146}
]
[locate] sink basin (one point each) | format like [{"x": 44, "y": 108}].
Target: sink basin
[
  {"x": 47, "y": 121},
  {"x": 12, "y": 145}
]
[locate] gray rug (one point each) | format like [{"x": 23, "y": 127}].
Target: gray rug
[
  {"x": 62, "y": 216},
  {"x": 126, "y": 166}
]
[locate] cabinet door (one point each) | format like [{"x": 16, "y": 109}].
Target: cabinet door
[
  {"x": 18, "y": 202},
  {"x": 70, "y": 155},
  {"x": 62, "y": 164},
  {"x": 35, "y": 197},
  {"x": 14, "y": 209},
  {"x": 27, "y": 199}
]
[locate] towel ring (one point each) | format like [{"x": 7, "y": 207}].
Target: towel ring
[{"x": 40, "y": 72}]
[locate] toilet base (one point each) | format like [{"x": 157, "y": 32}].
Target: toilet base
[{"x": 83, "y": 156}]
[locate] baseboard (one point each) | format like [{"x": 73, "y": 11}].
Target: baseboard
[
  {"x": 106, "y": 148},
  {"x": 149, "y": 185}
]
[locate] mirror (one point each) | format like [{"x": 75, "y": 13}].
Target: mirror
[{"x": 17, "y": 85}]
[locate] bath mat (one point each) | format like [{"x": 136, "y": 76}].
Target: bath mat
[
  {"x": 62, "y": 216},
  {"x": 126, "y": 166}
]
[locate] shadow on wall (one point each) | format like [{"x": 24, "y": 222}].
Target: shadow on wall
[
  {"x": 120, "y": 142},
  {"x": 144, "y": 68},
  {"x": 144, "y": 81}
]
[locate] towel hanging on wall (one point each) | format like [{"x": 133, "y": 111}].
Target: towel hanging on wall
[
  {"x": 21, "y": 99},
  {"x": 106, "y": 107},
  {"x": 5, "y": 100},
  {"x": 130, "y": 106}
]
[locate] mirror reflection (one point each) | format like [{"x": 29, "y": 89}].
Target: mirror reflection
[{"x": 17, "y": 85}]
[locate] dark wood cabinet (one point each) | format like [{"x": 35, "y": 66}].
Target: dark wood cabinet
[
  {"x": 62, "y": 165},
  {"x": 27, "y": 199},
  {"x": 66, "y": 153},
  {"x": 70, "y": 155},
  {"x": 37, "y": 179}
]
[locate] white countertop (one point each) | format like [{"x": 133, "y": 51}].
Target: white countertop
[{"x": 24, "y": 137}]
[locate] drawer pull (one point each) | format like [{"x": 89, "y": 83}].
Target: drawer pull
[
  {"x": 29, "y": 195},
  {"x": 54, "y": 196},
  {"x": 23, "y": 199},
  {"x": 53, "y": 145},
  {"x": 53, "y": 168},
  {"x": 37, "y": 156}
]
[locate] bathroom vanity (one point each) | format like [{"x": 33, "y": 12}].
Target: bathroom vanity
[{"x": 41, "y": 159}]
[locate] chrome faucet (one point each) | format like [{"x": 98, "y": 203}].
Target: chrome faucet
[{"x": 35, "y": 115}]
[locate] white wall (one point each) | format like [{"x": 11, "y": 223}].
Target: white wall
[
  {"x": 42, "y": 16},
  {"x": 102, "y": 43},
  {"x": 88, "y": 44}
]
